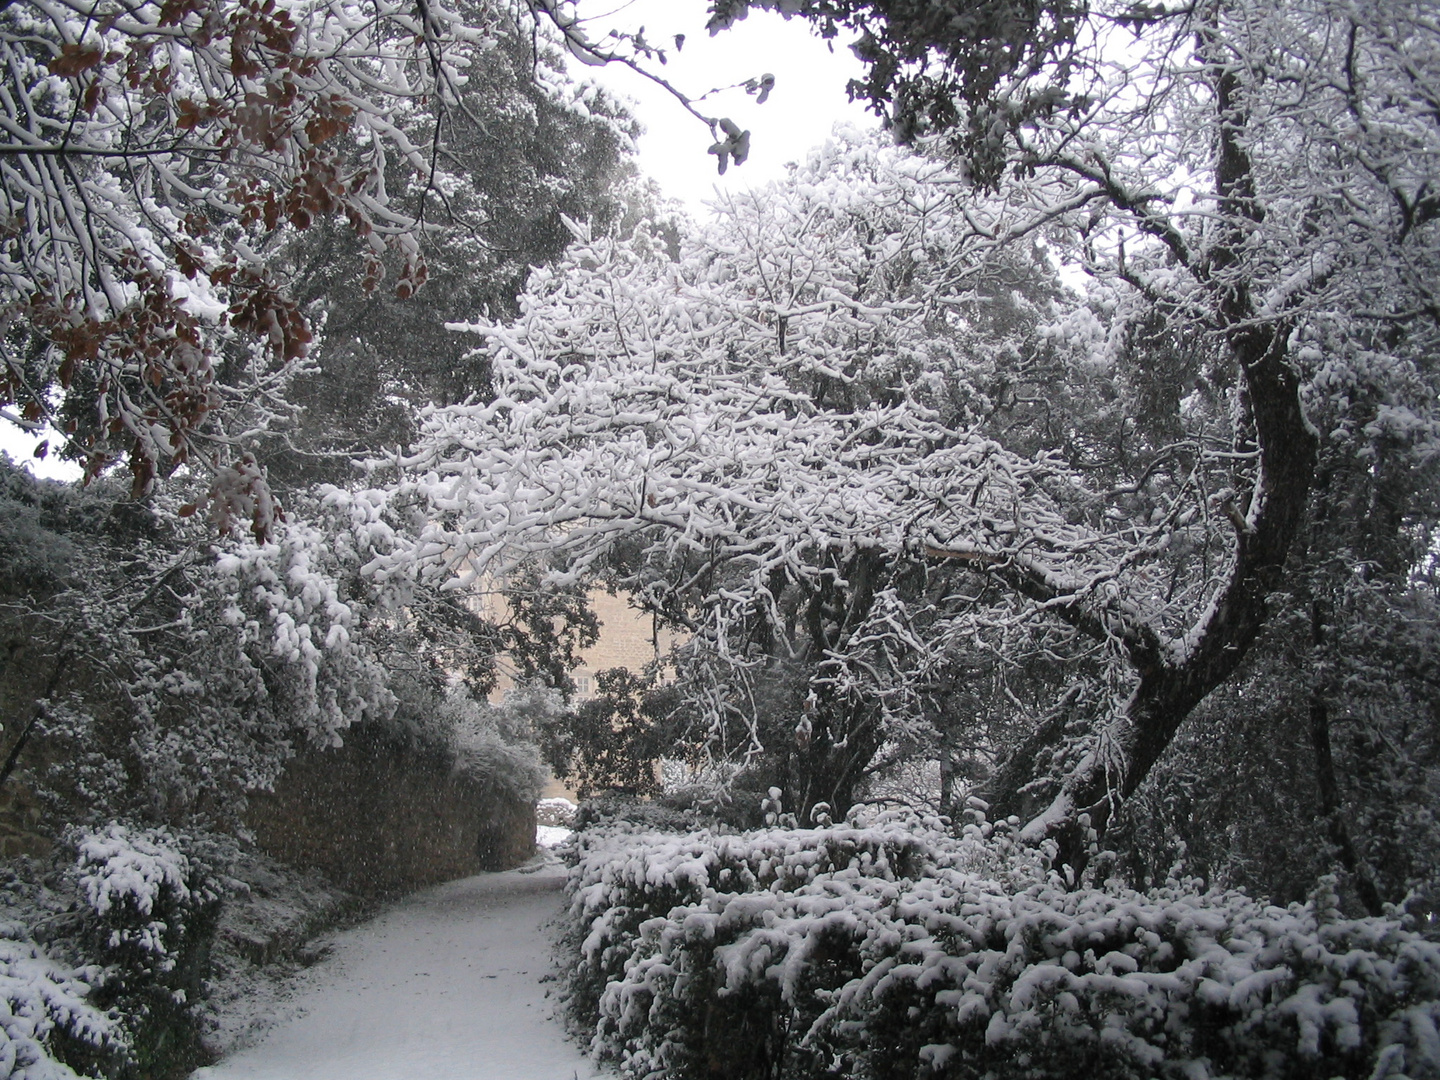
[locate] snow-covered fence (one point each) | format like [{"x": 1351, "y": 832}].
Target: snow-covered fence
[{"x": 898, "y": 951}]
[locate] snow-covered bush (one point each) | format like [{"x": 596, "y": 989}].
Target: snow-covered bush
[
  {"x": 44, "y": 1011},
  {"x": 629, "y": 879},
  {"x": 896, "y": 950},
  {"x": 150, "y": 912},
  {"x": 187, "y": 679},
  {"x": 555, "y": 813},
  {"x": 141, "y": 887},
  {"x": 287, "y": 608},
  {"x": 495, "y": 743}
]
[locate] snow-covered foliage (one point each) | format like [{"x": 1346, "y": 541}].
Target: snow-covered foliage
[
  {"x": 668, "y": 384},
  {"x": 287, "y": 599},
  {"x": 132, "y": 912},
  {"x": 777, "y": 422},
  {"x": 40, "y": 1002},
  {"x": 524, "y": 146},
  {"x": 188, "y": 679},
  {"x": 496, "y": 743},
  {"x": 832, "y": 440},
  {"x": 894, "y": 949},
  {"x": 135, "y": 132},
  {"x": 150, "y": 905},
  {"x": 123, "y": 868},
  {"x": 1229, "y": 799},
  {"x": 141, "y": 887}
]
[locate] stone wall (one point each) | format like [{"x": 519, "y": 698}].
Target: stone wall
[{"x": 382, "y": 815}]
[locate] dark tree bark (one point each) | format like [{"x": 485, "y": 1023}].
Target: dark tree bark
[
  {"x": 844, "y": 733},
  {"x": 1327, "y": 787},
  {"x": 1173, "y": 677},
  {"x": 1331, "y": 811}
]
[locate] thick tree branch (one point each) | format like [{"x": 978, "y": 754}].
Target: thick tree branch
[{"x": 1196, "y": 664}]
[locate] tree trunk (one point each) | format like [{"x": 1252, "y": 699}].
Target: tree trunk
[
  {"x": 947, "y": 782},
  {"x": 1175, "y": 676},
  {"x": 1326, "y": 785},
  {"x": 1331, "y": 810},
  {"x": 38, "y": 711},
  {"x": 829, "y": 765},
  {"x": 845, "y": 730}
]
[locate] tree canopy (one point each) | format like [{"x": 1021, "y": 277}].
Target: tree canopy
[
  {"x": 157, "y": 161},
  {"x": 1062, "y": 461},
  {"x": 1123, "y": 361},
  {"x": 1247, "y": 190}
]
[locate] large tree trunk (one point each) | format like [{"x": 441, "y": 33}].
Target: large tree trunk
[
  {"x": 1174, "y": 679},
  {"x": 1175, "y": 675},
  {"x": 842, "y": 733},
  {"x": 830, "y": 768}
]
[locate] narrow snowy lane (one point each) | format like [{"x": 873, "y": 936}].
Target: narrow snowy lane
[{"x": 444, "y": 986}]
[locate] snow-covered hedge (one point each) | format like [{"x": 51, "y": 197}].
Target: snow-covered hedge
[{"x": 895, "y": 950}]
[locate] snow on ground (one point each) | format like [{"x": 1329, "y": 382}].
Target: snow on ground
[
  {"x": 446, "y": 985},
  {"x": 555, "y": 817},
  {"x": 266, "y": 937}
]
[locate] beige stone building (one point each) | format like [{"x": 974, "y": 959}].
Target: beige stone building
[{"x": 628, "y": 639}]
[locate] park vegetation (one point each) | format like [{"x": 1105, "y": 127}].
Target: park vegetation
[{"x": 1044, "y": 488}]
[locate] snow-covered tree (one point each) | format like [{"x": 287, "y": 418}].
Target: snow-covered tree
[
  {"x": 1251, "y": 180},
  {"x": 1249, "y": 189},
  {"x": 748, "y": 441},
  {"x": 156, "y": 159},
  {"x": 522, "y": 147}
]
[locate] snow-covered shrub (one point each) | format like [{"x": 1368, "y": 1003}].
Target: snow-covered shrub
[
  {"x": 44, "y": 1013},
  {"x": 170, "y": 671},
  {"x": 495, "y": 743},
  {"x": 896, "y": 950},
  {"x": 555, "y": 813},
  {"x": 288, "y": 611},
  {"x": 1174, "y": 983},
  {"x": 142, "y": 889},
  {"x": 629, "y": 879},
  {"x": 627, "y": 812},
  {"x": 151, "y": 908}
]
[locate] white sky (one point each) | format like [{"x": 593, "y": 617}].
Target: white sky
[
  {"x": 808, "y": 100},
  {"x": 21, "y": 448}
]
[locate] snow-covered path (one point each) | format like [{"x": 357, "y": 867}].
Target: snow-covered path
[{"x": 443, "y": 986}]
